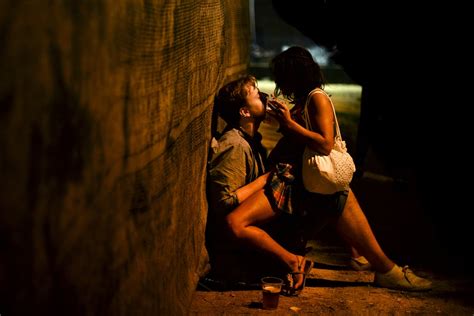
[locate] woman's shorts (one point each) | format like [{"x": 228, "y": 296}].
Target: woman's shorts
[{"x": 288, "y": 195}]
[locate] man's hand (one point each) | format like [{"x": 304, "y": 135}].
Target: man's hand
[{"x": 247, "y": 190}]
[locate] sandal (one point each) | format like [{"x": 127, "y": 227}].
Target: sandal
[{"x": 308, "y": 265}]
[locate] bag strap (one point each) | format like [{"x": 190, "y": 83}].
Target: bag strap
[{"x": 306, "y": 114}]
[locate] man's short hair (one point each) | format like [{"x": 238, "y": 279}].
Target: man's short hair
[{"x": 232, "y": 97}]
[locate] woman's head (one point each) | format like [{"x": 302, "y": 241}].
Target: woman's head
[{"x": 296, "y": 73}]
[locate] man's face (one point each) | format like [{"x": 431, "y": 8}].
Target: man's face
[{"x": 254, "y": 104}]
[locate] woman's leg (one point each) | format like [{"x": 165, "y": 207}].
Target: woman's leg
[
  {"x": 358, "y": 262},
  {"x": 354, "y": 253},
  {"x": 354, "y": 228},
  {"x": 242, "y": 222}
]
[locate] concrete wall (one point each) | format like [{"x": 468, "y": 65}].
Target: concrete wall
[{"x": 105, "y": 117}]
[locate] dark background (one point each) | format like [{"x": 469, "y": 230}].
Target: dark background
[{"x": 415, "y": 69}]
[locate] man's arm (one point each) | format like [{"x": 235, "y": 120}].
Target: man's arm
[
  {"x": 247, "y": 190},
  {"x": 227, "y": 177},
  {"x": 226, "y": 174}
]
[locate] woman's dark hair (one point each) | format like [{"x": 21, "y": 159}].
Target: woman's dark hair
[
  {"x": 296, "y": 73},
  {"x": 232, "y": 97}
]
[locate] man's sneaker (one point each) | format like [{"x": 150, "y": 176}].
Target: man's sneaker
[
  {"x": 402, "y": 279},
  {"x": 360, "y": 264}
]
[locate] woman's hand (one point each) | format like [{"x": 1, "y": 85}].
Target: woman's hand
[{"x": 280, "y": 112}]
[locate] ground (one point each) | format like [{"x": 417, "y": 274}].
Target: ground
[
  {"x": 333, "y": 288},
  {"x": 344, "y": 292}
]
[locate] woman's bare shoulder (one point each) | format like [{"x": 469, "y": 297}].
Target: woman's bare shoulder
[{"x": 320, "y": 100}]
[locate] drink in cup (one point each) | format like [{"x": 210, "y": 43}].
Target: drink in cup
[{"x": 271, "y": 288}]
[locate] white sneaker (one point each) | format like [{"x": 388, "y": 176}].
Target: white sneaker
[
  {"x": 402, "y": 279},
  {"x": 360, "y": 264}
]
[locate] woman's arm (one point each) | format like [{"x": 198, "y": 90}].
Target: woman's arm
[{"x": 321, "y": 116}]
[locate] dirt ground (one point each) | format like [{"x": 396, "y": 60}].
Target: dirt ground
[{"x": 344, "y": 292}]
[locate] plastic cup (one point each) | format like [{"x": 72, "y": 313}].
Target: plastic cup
[{"x": 271, "y": 288}]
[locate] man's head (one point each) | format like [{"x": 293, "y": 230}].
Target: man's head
[{"x": 240, "y": 99}]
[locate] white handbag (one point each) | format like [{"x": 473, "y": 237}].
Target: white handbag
[{"x": 326, "y": 174}]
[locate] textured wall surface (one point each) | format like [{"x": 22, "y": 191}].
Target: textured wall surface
[{"x": 105, "y": 117}]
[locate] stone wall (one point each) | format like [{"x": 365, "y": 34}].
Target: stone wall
[{"x": 105, "y": 117}]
